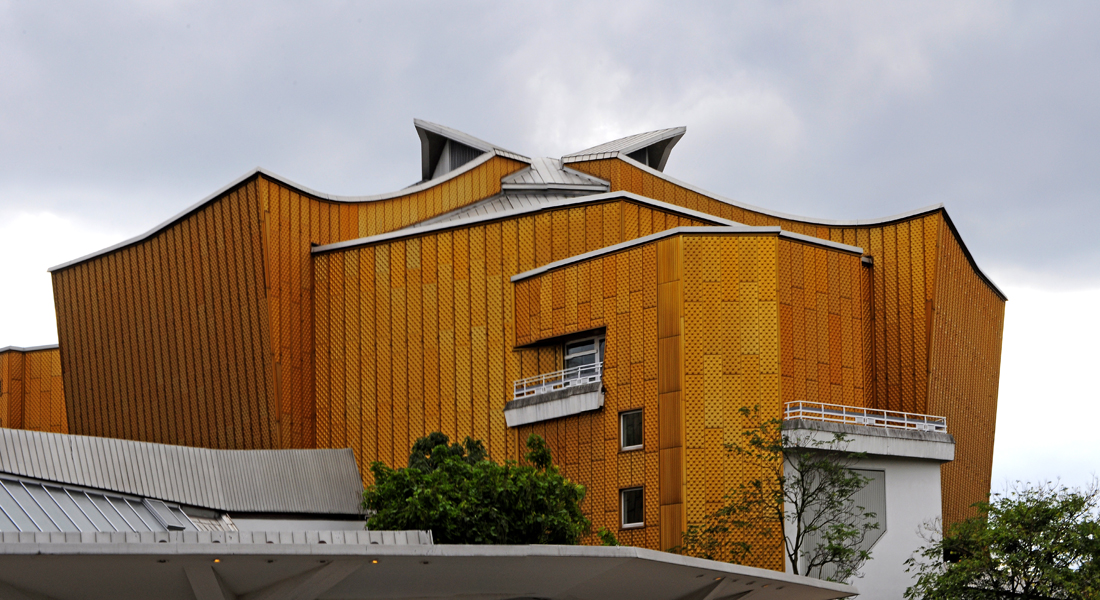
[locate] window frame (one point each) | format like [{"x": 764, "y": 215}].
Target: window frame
[
  {"x": 599, "y": 343},
  {"x": 622, "y": 507},
  {"x": 622, "y": 430}
]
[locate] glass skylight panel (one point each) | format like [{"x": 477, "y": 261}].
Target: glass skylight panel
[
  {"x": 38, "y": 506},
  {"x": 90, "y": 510},
  {"x": 13, "y": 510},
  {"x": 30, "y": 507},
  {"x": 78, "y": 518}
]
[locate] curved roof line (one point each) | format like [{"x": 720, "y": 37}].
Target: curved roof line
[
  {"x": 29, "y": 348},
  {"x": 473, "y": 164},
  {"x": 828, "y": 222},
  {"x": 473, "y": 220},
  {"x": 764, "y": 230}
]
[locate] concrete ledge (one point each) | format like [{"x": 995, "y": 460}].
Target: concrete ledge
[
  {"x": 878, "y": 441},
  {"x": 554, "y": 405}
]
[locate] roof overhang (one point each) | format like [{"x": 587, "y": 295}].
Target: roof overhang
[{"x": 218, "y": 571}]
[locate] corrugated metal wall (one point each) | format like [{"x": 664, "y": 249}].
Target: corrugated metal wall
[{"x": 299, "y": 481}]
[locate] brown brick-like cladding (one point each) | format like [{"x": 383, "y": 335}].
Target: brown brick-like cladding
[
  {"x": 201, "y": 334},
  {"x": 31, "y": 392},
  {"x": 902, "y": 302}
]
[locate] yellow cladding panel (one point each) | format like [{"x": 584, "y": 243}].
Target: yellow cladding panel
[{"x": 202, "y": 334}]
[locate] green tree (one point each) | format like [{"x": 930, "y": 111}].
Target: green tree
[
  {"x": 464, "y": 498},
  {"x": 807, "y": 483},
  {"x": 1034, "y": 542}
]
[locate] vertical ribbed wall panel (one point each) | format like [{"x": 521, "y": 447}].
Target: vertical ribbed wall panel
[
  {"x": 31, "y": 390},
  {"x": 202, "y": 334},
  {"x": 453, "y": 325},
  {"x": 917, "y": 336},
  {"x": 964, "y": 374}
]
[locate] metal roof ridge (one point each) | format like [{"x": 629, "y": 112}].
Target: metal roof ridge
[
  {"x": 29, "y": 348},
  {"x": 689, "y": 229},
  {"x": 462, "y": 137},
  {"x": 638, "y": 141},
  {"x": 413, "y": 231}
]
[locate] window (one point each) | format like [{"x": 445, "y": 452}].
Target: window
[
  {"x": 633, "y": 513},
  {"x": 581, "y": 353},
  {"x": 630, "y": 429}
]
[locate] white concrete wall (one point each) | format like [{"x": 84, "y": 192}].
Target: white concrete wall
[{"x": 912, "y": 499}]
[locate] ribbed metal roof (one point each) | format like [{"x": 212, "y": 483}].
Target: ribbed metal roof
[
  {"x": 548, "y": 172},
  {"x": 496, "y": 204},
  {"x": 626, "y": 145},
  {"x": 273, "y": 481},
  {"x": 467, "y": 139},
  {"x": 27, "y": 505}
]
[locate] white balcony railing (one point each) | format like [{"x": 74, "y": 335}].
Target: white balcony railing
[
  {"x": 873, "y": 417},
  {"x": 558, "y": 380}
]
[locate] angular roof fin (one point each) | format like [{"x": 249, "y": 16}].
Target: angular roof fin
[
  {"x": 443, "y": 149},
  {"x": 651, "y": 149}
]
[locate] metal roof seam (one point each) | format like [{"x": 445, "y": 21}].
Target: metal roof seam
[
  {"x": 742, "y": 229},
  {"x": 588, "y": 199},
  {"x": 29, "y": 348}
]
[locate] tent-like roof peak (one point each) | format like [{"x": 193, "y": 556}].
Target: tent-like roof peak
[
  {"x": 444, "y": 149},
  {"x": 651, "y": 148}
]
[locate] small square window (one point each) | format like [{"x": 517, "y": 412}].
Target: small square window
[
  {"x": 633, "y": 510},
  {"x": 630, "y": 425}
]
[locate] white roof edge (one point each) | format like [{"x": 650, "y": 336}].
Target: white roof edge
[
  {"x": 162, "y": 543},
  {"x": 411, "y": 232},
  {"x": 29, "y": 348},
  {"x": 262, "y": 171},
  {"x": 643, "y": 142},
  {"x": 738, "y": 228},
  {"x": 563, "y": 187},
  {"x": 809, "y": 221},
  {"x": 464, "y": 138}
]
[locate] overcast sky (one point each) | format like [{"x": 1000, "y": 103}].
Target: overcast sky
[{"x": 115, "y": 116}]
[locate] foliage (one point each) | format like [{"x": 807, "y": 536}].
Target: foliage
[
  {"x": 1035, "y": 541},
  {"x": 607, "y": 537},
  {"x": 465, "y": 498},
  {"x": 807, "y": 484},
  {"x": 431, "y": 450}
]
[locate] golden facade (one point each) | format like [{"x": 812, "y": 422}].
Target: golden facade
[
  {"x": 273, "y": 316},
  {"x": 32, "y": 395}
]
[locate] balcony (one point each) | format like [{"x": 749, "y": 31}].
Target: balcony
[
  {"x": 850, "y": 415},
  {"x": 555, "y": 395}
]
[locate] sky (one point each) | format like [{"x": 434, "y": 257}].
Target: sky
[{"x": 116, "y": 115}]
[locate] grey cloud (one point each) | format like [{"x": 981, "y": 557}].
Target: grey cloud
[{"x": 838, "y": 111}]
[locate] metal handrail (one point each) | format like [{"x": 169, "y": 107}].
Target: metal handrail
[
  {"x": 557, "y": 380},
  {"x": 873, "y": 417}
]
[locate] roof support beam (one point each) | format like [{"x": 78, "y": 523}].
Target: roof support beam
[
  {"x": 205, "y": 583},
  {"x": 310, "y": 585},
  {"x": 8, "y": 592}
]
